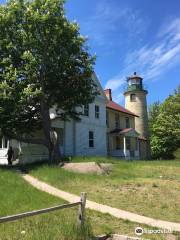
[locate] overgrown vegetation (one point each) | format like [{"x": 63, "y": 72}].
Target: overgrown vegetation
[{"x": 164, "y": 122}]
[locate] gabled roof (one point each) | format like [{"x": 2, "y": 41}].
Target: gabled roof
[
  {"x": 97, "y": 82},
  {"x": 114, "y": 106}
]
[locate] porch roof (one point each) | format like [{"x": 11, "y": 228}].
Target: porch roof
[{"x": 129, "y": 132}]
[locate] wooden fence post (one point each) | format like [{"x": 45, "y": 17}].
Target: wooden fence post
[{"x": 81, "y": 211}]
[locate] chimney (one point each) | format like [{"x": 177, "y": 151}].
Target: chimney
[{"x": 108, "y": 94}]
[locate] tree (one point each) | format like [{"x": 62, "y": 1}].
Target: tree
[
  {"x": 165, "y": 127},
  {"x": 153, "y": 113},
  {"x": 44, "y": 63}
]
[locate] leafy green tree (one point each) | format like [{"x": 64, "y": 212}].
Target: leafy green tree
[
  {"x": 153, "y": 113},
  {"x": 165, "y": 127},
  {"x": 44, "y": 63}
]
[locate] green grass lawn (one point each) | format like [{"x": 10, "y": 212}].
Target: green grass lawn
[
  {"x": 149, "y": 188},
  {"x": 17, "y": 196}
]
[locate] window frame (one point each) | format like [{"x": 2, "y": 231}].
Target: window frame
[
  {"x": 86, "y": 110},
  {"x": 107, "y": 119},
  {"x": 91, "y": 139},
  {"x": 117, "y": 121},
  {"x": 97, "y": 111},
  {"x": 4, "y": 142},
  {"x": 133, "y": 97}
]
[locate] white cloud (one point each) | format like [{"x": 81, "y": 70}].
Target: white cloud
[
  {"x": 110, "y": 17},
  {"x": 154, "y": 60},
  {"x": 115, "y": 83},
  {"x": 151, "y": 61}
]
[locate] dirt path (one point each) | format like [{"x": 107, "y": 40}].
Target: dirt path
[{"x": 118, "y": 213}]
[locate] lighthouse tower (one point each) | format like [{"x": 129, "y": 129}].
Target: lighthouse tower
[{"x": 135, "y": 101}]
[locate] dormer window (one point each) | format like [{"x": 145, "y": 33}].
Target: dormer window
[{"x": 133, "y": 97}]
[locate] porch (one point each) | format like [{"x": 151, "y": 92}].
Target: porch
[{"x": 123, "y": 143}]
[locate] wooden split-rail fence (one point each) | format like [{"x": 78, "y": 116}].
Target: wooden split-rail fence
[{"x": 81, "y": 211}]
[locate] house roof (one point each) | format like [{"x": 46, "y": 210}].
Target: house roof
[
  {"x": 126, "y": 132},
  {"x": 114, "y": 106},
  {"x": 121, "y": 131}
]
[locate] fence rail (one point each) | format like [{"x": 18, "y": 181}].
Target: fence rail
[{"x": 81, "y": 211}]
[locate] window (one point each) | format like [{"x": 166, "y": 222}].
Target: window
[
  {"x": 127, "y": 122},
  {"x": 133, "y": 97},
  {"x": 86, "y": 110},
  {"x": 134, "y": 81},
  {"x": 3, "y": 142},
  {"x": 107, "y": 118},
  {"x": 96, "y": 111},
  {"x": 118, "y": 143},
  {"x": 117, "y": 120},
  {"x": 91, "y": 139}
]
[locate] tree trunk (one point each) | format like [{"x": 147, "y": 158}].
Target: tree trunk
[{"x": 54, "y": 152}]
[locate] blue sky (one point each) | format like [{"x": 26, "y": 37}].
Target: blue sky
[{"x": 132, "y": 35}]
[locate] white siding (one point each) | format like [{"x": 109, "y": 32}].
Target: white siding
[{"x": 98, "y": 126}]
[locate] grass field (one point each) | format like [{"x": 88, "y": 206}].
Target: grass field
[
  {"x": 149, "y": 188},
  {"x": 17, "y": 196}
]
